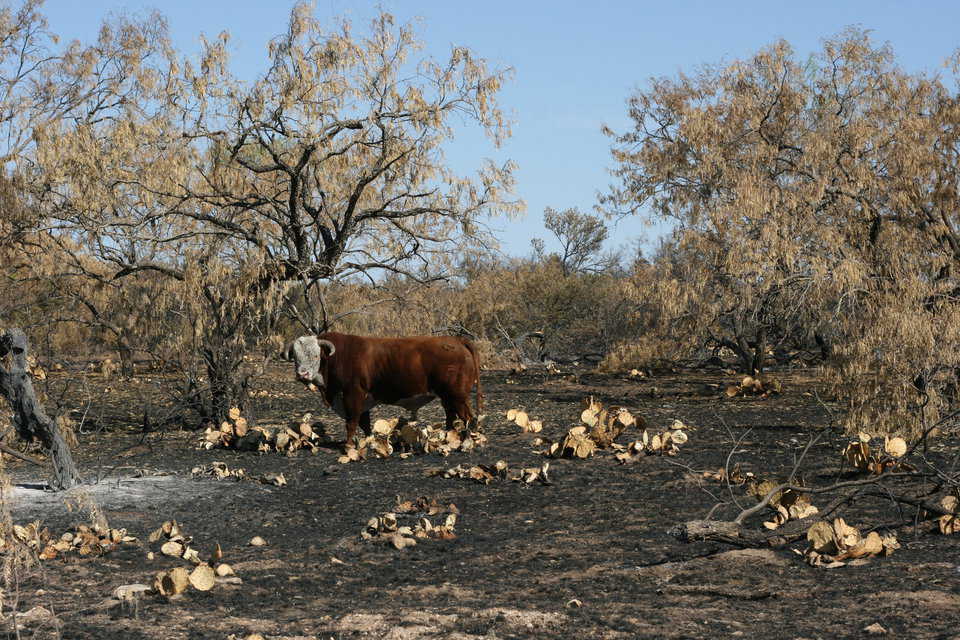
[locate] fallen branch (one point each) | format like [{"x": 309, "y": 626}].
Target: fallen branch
[
  {"x": 22, "y": 456},
  {"x": 733, "y": 532},
  {"x": 786, "y": 486}
]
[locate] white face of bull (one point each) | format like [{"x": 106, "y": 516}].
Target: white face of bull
[{"x": 308, "y": 354}]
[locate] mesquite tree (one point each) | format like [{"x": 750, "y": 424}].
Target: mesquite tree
[
  {"x": 821, "y": 191},
  {"x": 215, "y": 197},
  {"x": 581, "y": 237}
]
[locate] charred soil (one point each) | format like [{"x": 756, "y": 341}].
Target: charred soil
[{"x": 588, "y": 554}]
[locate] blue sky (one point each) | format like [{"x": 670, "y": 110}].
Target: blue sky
[{"x": 575, "y": 64}]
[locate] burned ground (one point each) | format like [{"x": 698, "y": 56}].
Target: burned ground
[{"x": 588, "y": 554}]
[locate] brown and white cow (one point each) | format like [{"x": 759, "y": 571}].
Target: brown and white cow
[{"x": 356, "y": 373}]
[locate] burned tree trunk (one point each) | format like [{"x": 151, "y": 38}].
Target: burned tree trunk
[
  {"x": 228, "y": 384},
  {"x": 29, "y": 418}
]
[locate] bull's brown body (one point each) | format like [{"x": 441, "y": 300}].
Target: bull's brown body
[{"x": 407, "y": 372}]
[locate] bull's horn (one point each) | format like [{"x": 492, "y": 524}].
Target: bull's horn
[{"x": 329, "y": 345}]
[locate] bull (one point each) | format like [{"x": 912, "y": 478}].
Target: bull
[{"x": 356, "y": 373}]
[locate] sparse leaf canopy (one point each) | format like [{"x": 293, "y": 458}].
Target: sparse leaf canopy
[
  {"x": 813, "y": 195},
  {"x": 195, "y": 202},
  {"x": 581, "y": 237},
  {"x": 329, "y": 164}
]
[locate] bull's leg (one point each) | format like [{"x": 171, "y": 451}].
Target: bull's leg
[
  {"x": 457, "y": 408},
  {"x": 450, "y": 412},
  {"x": 462, "y": 407},
  {"x": 365, "y": 423},
  {"x": 353, "y": 406},
  {"x": 351, "y": 433}
]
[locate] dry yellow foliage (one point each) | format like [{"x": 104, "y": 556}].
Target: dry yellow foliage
[
  {"x": 408, "y": 437},
  {"x": 830, "y": 545},
  {"x": 523, "y": 420},
  {"x": 387, "y": 527},
  {"x": 949, "y": 524},
  {"x": 805, "y": 191},
  {"x": 860, "y": 457}
]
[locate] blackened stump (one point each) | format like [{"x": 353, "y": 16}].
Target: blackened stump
[{"x": 29, "y": 418}]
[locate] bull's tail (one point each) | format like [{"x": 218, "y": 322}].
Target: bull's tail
[{"x": 478, "y": 401}]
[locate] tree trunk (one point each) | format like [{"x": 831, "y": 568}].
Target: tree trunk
[
  {"x": 125, "y": 353},
  {"x": 29, "y": 418},
  {"x": 741, "y": 346},
  {"x": 759, "y": 352},
  {"x": 228, "y": 384},
  {"x": 826, "y": 348},
  {"x": 751, "y": 354}
]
